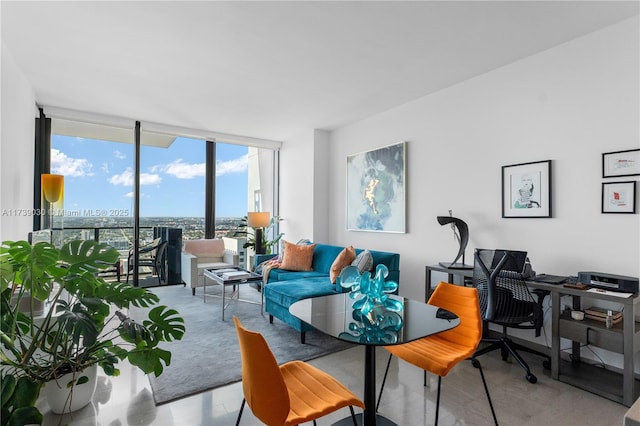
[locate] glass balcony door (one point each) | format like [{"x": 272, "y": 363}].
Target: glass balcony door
[{"x": 99, "y": 165}]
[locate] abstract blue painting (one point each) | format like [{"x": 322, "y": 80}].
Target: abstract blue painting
[{"x": 376, "y": 189}]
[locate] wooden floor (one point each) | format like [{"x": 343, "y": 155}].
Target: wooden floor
[{"x": 127, "y": 399}]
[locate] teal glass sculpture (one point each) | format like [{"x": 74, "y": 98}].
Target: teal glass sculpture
[
  {"x": 384, "y": 329},
  {"x": 374, "y": 312},
  {"x": 370, "y": 292}
]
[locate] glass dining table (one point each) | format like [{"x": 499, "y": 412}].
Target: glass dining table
[{"x": 334, "y": 315}]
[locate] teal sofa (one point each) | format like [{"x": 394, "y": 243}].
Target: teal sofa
[{"x": 284, "y": 287}]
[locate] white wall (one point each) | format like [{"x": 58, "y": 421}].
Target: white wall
[
  {"x": 321, "y": 181},
  {"x": 568, "y": 104},
  {"x": 304, "y": 186},
  {"x": 17, "y": 128},
  {"x": 297, "y": 186}
]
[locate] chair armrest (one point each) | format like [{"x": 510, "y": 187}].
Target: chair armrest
[
  {"x": 259, "y": 258},
  {"x": 540, "y": 295},
  {"x": 231, "y": 258},
  {"x": 189, "y": 265},
  {"x": 146, "y": 248}
]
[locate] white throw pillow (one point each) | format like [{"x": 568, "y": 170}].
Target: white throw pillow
[{"x": 363, "y": 261}]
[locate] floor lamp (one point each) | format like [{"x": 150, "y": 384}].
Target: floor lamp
[
  {"x": 52, "y": 198},
  {"x": 257, "y": 221}
]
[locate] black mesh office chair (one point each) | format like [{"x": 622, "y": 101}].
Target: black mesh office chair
[
  {"x": 152, "y": 255},
  {"x": 506, "y": 300}
]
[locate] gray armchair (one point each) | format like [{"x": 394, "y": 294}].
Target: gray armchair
[{"x": 198, "y": 255}]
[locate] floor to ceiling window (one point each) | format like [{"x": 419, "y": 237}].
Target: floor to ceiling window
[
  {"x": 97, "y": 185},
  {"x": 231, "y": 183},
  {"x": 172, "y": 186},
  {"x": 98, "y": 165}
]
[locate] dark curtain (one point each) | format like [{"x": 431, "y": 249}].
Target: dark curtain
[
  {"x": 136, "y": 206},
  {"x": 42, "y": 164},
  {"x": 210, "y": 191}
]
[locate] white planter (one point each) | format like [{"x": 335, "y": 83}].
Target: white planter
[
  {"x": 25, "y": 303},
  {"x": 63, "y": 397}
]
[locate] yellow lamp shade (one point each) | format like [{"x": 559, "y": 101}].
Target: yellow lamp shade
[
  {"x": 258, "y": 219},
  {"x": 52, "y": 187}
]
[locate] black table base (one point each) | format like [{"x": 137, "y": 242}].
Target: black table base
[
  {"x": 380, "y": 421},
  {"x": 369, "y": 417}
]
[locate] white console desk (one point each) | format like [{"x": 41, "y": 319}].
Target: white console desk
[{"x": 622, "y": 338}]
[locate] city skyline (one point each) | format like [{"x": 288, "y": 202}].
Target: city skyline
[
  {"x": 99, "y": 178},
  {"x": 118, "y": 232}
]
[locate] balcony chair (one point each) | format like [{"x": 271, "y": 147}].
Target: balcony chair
[
  {"x": 152, "y": 255},
  {"x": 116, "y": 270},
  {"x": 441, "y": 352},
  {"x": 505, "y": 300},
  {"x": 290, "y": 394}
]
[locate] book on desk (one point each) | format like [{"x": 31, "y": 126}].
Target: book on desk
[{"x": 600, "y": 314}]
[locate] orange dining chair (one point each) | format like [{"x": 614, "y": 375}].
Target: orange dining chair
[
  {"x": 441, "y": 352},
  {"x": 289, "y": 394}
]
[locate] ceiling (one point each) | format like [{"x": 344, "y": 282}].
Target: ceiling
[{"x": 266, "y": 69}]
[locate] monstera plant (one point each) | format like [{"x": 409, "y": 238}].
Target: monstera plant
[{"x": 85, "y": 322}]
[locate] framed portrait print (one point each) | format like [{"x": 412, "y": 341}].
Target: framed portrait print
[
  {"x": 621, "y": 163},
  {"x": 526, "y": 190},
  {"x": 619, "y": 197},
  {"x": 376, "y": 189}
]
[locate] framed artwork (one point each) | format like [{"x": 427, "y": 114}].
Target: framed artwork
[
  {"x": 621, "y": 163},
  {"x": 376, "y": 189},
  {"x": 526, "y": 190},
  {"x": 619, "y": 197}
]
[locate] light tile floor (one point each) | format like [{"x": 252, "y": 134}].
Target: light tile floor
[{"x": 127, "y": 399}]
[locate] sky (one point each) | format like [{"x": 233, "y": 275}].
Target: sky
[{"x": 99, "y": 176}]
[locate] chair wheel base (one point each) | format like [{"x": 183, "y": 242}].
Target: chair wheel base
[
  {"x": 531, "y": 378},
  {"x": 475, "y": 363},
  {"x": 504, "y": 352}
]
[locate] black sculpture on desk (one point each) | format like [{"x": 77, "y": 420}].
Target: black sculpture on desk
[{"x": 461, "y": 232}]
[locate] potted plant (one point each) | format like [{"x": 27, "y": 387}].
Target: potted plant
[
  {"x": 270, "y": 240},
  {"x": 85, "y": 324}
]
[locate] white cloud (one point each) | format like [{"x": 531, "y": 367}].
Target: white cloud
[
  {"x": 149, "y": 179},
  {"x": 182, "y": 170},
  {"x": 105, "y": 167},
  {"x": 74, "y": 167},
  {"x": 119, "y": 155},
  {"x": 237, "y": 165},
  {"x": 126, "y": 178},
  {"x": 129, "y": 194}
]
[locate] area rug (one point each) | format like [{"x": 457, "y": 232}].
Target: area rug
[{"x": 209, "y": 356}]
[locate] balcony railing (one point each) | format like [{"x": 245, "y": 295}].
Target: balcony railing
[{"x": 118, "y": 237}]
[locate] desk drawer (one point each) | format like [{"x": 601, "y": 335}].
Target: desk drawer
[{"x": 593, "y": 333}]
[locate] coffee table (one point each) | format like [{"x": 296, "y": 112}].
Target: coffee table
[{"x": 230, "y": 277}]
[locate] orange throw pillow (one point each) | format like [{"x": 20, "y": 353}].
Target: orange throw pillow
[
  {"x": 342, "y": 260},
  {"x": 297, "y": 257}
]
